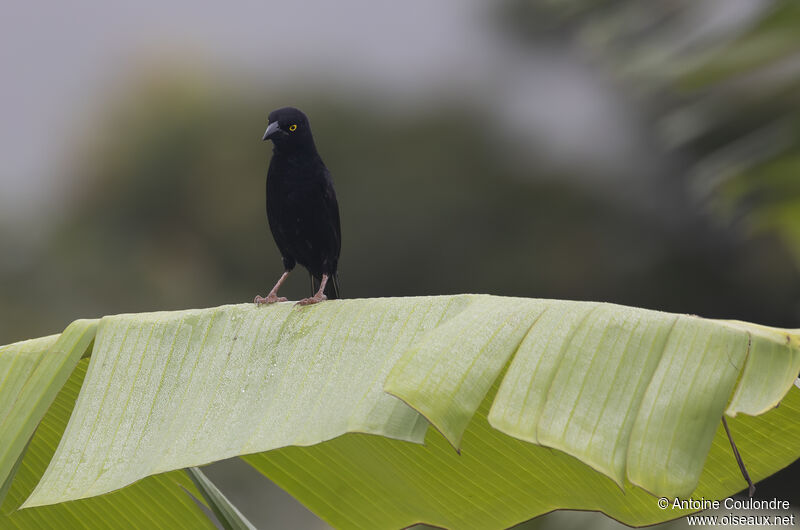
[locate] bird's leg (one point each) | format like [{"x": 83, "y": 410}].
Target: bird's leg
[
  {"x": 319, "y": 297},
  {"x": 273, "y": 297}
]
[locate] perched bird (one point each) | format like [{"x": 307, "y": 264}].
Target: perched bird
[{"x": 302, "y": 210}]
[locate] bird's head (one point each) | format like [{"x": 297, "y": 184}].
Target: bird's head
[{"x": 288, "y": 127}]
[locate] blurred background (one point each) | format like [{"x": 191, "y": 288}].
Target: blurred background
[{"x": 643, "y": 153}]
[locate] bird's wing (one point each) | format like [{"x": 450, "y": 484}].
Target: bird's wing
[
  {"x": 323, "y": 226},
  {"x": 276, "y": 214},
  {"x": 331, "y": 206}
]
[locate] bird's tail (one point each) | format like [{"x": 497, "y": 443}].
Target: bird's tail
[{"x": 331, "y": 288}]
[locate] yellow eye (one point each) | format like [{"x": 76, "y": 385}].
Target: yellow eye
[{"x": 292, "y": 127}]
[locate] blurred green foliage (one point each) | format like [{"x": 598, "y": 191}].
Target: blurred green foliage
[
  {"x": 723, "y": 103},
  {"x": 167, "y": 212}
]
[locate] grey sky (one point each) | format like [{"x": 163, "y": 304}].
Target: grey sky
[{"x": 59, "y": 60}]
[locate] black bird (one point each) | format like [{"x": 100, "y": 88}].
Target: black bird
[{"x": 302, "y": 210}]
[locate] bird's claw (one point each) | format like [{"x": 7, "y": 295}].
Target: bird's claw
[
  {"x": 317, "y": 298},
  {"x": 270, "y": 299}
]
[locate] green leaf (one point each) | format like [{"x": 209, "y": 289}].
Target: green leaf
[
  {"x": 6, "y": 486},
  {"x": 31, "y": 374},
  {"x": 635, "y": 394},
  {"x": 771, "y": 368},
  {"x": 362, "y": 481},
  {"x": 191, "y": 387},
  {"x": 447, "y": 388},
  {"x": 772, "y": 38},
  {"x": 617, "y": 401},
  {"x": 229, "y": 517},
  {"x": 155, "y": 502}
]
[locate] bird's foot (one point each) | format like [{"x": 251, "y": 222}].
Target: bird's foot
[
  {"x": 270, "y": 299},
  {"x": 317, "y": 298}
]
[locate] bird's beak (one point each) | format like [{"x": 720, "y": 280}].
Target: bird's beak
[{"x": 272, "y": 130}]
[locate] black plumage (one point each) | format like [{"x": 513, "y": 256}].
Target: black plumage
[{"x": 302, "y": 210}]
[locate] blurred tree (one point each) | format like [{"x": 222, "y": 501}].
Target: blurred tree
[
  {"x": 719, "y": 84},
  {"x": 168, "y": 212}
]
